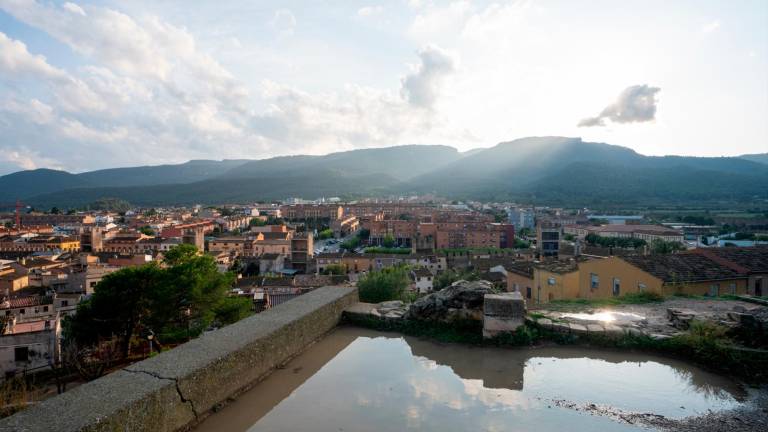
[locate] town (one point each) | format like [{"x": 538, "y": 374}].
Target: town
[{"x": 52, "y": 261}]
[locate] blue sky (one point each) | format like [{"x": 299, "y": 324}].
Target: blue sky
[{"x": 86, "y": 85}]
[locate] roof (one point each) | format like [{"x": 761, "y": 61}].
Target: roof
[
  {"x": 308, "y": 280},
  {"x": 743, "y": 259},
  {"x": 421, "y": 272},
  {"x": 27, "y": 301},
  {"x": 683, "y": 267},
  {"x": 523, "y": 268}
]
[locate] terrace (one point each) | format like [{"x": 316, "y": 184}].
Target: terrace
[{"x": 294, "y": 367}]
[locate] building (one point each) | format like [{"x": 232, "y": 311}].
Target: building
[
  {"x": 542, "y": 282},
  {"x": 649, "y": 233},
  {"x": 548, "y": 239},
  {"x": 617, "y": 219},
  {"x": 423, "y": 280},
  {"x": 522, "y": 218},
  {"x": 750, "y": 261},
  {"x": 297, "y": 212},
  {"x": 683, "y": 273},
  {"x": 56, "y": 219},
  {"x": 302, "y": 251},
  {"x": 29, "y": 346}
]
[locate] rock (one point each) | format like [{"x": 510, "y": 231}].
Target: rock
[
  {"x": 392, "y": 304},
  {"x": 561, "y": 327},
  {"x": 578, "y": 328},
  {"x": 461, "y": 300},
  {"x": 595, "y": 328},
  {"x": 545, "y": 323}
]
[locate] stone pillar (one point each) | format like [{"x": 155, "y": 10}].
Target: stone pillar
[{"x": 502, "y": 313}]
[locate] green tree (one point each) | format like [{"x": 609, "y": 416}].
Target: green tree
[
  {"x": 660, "y": 246},
  {"x": 55, "y": 210},
  {"x": 387, "y": 284},
  {"x": 180, "y": 299},
  {"x": 325, "y": 234},
  {"x": 335, "y": 269},
  {"x": 448, "y": 277},
  {"x": 364, "y": 234},
  {"x": 147, "y": 230},
  {"x": 388, "y": 241}
]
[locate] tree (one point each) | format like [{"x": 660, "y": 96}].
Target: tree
[
  {"x": 171, "y": 302},
  {"x": 147, "y": 230},
  {"x": 325, "y": 234},
  {"x": 660, "y": 246},
  {"x": 388, "y": 241},
  {"x": 448, "y": 277},
  {"x": 387, "y": 284},
  {"x": 364, "y": 234},
  {"x": 55, "y": 210},
  {"x": 335, "y": 269}
]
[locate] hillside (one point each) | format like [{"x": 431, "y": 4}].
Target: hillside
[
  {"x": 759, "y": 157},
  {"x": 552, "y": 170}
]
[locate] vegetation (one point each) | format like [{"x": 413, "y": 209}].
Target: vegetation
[
  {"x": 171, "y": 302},
  {"x": 325, "y": 234},
  {"x": 521, "y": 244},
  {"x": 110, "y": 204},
  {"x": 450, "y": 276},
  {"x": 147, "y": 230},
  {"x": 388, "y": 241},
  {"x": 335, "y": 269},
  {"x": 387, "y": 250},
  {"x": 386, "y": 284},
  {"x": 660, "y": 246},
  {"x": 628, "y": 243},
  {"x": 351, "y": 244}
]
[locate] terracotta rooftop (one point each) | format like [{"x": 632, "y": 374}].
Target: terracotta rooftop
[{"x": 683, "y": 267}]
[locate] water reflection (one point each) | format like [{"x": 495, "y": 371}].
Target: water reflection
[
  {"x": 605, "y": 316},
  {"x": 355, "y": 380}
]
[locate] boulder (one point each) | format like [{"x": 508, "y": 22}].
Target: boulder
[{"x": 461, "y": 300}]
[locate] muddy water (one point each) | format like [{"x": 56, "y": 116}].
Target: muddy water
[{"x": 359, "y": 380}]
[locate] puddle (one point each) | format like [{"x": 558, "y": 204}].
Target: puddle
[{"x": 358, "y": 380}]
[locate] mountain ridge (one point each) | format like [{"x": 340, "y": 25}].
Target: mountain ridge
[{"x": 545, "y": 169}]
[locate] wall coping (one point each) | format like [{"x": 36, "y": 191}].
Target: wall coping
[{"x": 179, "y": 387}]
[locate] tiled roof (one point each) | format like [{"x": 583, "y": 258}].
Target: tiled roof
[
  {"x": 682, "y": 267},
  {"x": 749, "y": 259},
  {"x": 27, "y": 301}
]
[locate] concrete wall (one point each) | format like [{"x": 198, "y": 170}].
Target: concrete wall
[{"x": 178, "y": 387}]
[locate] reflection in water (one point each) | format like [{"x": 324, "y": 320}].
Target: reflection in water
[
  {"x": 605, "y": 316},
  {"x": 357, "y": 380}
]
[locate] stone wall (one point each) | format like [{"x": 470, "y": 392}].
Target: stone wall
[{"x": 176, "y": 388}]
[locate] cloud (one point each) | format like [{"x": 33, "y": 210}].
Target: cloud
[
  {"x": 368, "y": 11},
  {"x": 636, "y": 104},
  {"x": 421, "y": 87},
  {"x": 148, "y": 94},
  {"x": 74, "y": 8},
  {"x": 17, "y": 61},
  {"x": 710, "y": 26},
  {"x": 284, "y": 22}
]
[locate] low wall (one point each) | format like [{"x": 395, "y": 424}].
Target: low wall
[{"x": 178, "y": 387}]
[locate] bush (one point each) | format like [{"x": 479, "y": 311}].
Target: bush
[
  {"x": 386, "y": 250},
  {"x": 387, "y": 284},
  {"x": 325, "y": 234}
]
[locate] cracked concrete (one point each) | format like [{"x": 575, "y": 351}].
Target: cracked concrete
[{"x": 178, "y": 389}]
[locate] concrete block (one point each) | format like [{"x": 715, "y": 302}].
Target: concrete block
[
  {"x": 578, "y": 328},
  {"x": 506, "y": 305}
]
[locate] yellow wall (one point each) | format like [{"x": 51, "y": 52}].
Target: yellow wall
[
  {"x": 522, "y": 282},
  {"x": 564, "y": 286},
  {"x": 607, "y": 269},
  {"x": 732, "y": 286}
]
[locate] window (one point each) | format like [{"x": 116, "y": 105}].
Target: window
[
  {"x": 45, "y": 308},
  {"x": 528, "y": 292},
  {"x": 551, "y": 281},
  {"x": 594, "y": 281},
  {"x": 22, "y": 311},
  {"x": 641, "y": 287},
  {"x": 616, "y": 286},
  {"x": 21, "y": 354},
  {"x": 64, "y": 303},
  {"x": 714, "y": 290}
]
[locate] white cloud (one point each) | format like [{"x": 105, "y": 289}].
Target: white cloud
[
  {"x": 710, "y": 26},
  {"x": 284, "y": 22},
  {"x": 421, "y": 87},
  {"x": 369, "y": 11},
  {"x": 636, "y": 104},
  {"x": 74, "y": 8},
  {"x": 17, "y": 62}
]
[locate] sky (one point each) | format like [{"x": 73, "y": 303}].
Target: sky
[{"x": 87, "y": 85}]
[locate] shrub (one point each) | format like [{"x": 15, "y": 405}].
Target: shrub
[{"x": 386, "y": 284}]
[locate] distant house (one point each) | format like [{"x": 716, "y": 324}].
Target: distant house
[
  {"x": 29, "y": 346},
  {"x": 423, "y": 280}
]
